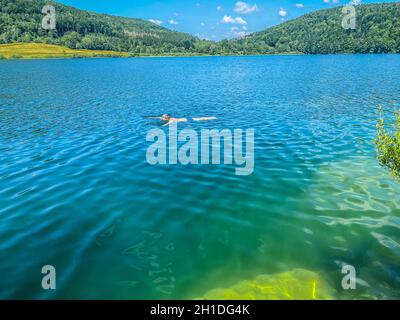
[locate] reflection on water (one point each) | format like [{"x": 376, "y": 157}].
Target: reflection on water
[{"x": 76, "y": 191}]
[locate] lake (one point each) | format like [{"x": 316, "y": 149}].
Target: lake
[{"x": 77, "y": 193}]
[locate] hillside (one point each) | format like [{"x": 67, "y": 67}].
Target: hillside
[
  {"x": 20, "y": 21},
  {"x": 319, "y": 32},
  {"x": 378, "y": 31}
]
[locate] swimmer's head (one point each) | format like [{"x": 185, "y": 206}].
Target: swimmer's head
[{"x": 165, "y": 117}]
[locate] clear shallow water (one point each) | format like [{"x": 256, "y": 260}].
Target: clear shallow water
[{"x": 76, "y": 191}]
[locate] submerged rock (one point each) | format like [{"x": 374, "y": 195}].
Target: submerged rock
[{"x": 298, "y": 284}]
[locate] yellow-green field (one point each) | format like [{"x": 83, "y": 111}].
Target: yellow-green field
[{"x": 46, "y": 51}]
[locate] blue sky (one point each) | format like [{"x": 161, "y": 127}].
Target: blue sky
[{"x": 210, "y": 19}]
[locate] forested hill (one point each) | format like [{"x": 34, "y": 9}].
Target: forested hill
[
  {"x": 377, "y": 31},
  {"x": 21, "y": 21}
]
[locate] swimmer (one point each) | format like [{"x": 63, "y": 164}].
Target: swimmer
[{"x": 169, "y": 119}]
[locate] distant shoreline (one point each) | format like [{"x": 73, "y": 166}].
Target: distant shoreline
[{"x": 41, "y": 51}]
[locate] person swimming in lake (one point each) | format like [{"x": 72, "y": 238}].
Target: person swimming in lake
[{"x": 169, "y": 119}]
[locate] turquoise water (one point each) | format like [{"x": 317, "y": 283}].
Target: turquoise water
[{"x": 76, "y": 191}]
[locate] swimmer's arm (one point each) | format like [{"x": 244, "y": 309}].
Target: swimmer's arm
[{"x": 175, "y": 120}]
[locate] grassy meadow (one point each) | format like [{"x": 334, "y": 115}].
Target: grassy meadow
[{"x": 47, "y": 51}]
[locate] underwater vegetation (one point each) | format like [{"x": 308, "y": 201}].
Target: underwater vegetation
[{"x": 298, "y": 284}]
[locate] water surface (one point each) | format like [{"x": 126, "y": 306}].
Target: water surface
[{"x": 76, "y": 191}]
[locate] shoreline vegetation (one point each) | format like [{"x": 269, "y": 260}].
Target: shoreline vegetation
[
  {"x": 37, "y": 51},
  {"x": 43, "y": 51},
  {"x": 387, "y": 142},
  {"x": 97, "y": 35}
]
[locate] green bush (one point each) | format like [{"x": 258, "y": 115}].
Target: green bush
[
  {"x": 387, "y": 143},
  {"x": 2, "y": 57}
]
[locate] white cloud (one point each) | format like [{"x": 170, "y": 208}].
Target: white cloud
[
  {"x": 337, "y": 1},
  {"x": 237, "y": 20},
  {"x": 299, "y": 5},
  {"x": 355, "y": 2},
  {"x": 197, "y": 4},
  {"x": 227, "y": 19},
  {"x": 220, "y": 8},
  {"x": 203, "y": 24},
  {"x": 282, "y": 12},
  {"x": 172, "y": 21},
  {"x": 159, "y": 22},
  {"x": 245, "y": 8},
  {"x": 239, "y": 34},
  {"x": 176, "y": 14},
  {"x": 201, "y": 36},
  {"x": 244, "y": 28}
]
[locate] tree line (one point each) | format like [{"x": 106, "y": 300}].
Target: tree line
[{"x": 377, "y": 31}]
